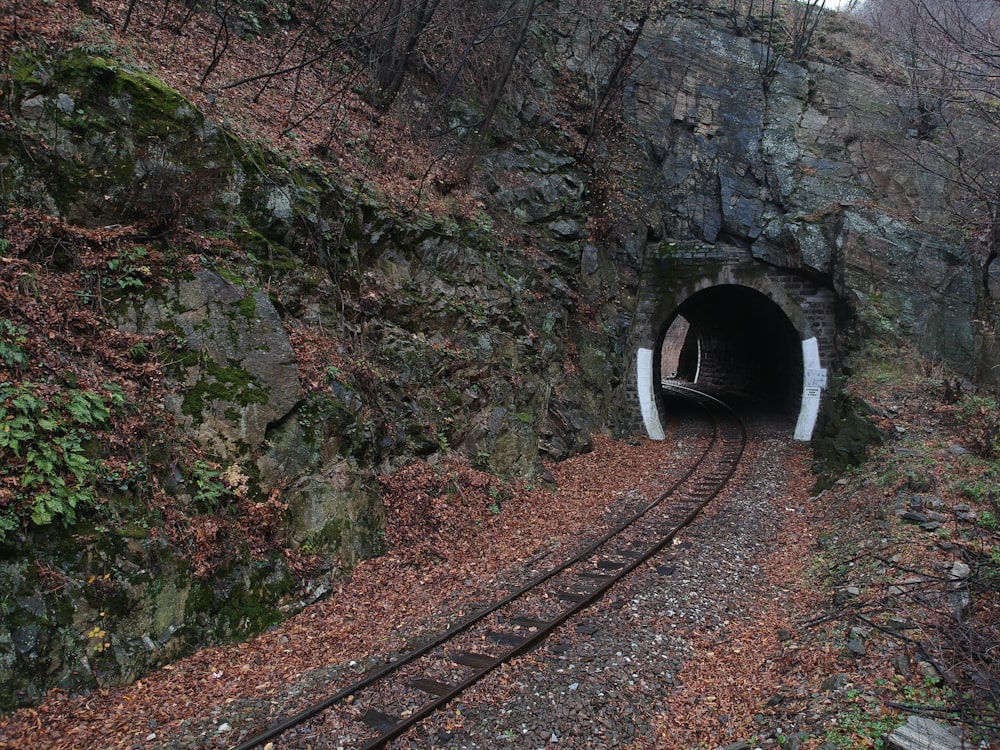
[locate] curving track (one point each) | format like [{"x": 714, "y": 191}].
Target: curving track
[{"x": 392, "y": 699}]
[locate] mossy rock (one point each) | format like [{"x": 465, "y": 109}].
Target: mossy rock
[
  {"x": 116, "y": 144},
  {"x": 238, "y": 601},
  {"x": 337, "y": 512},
  {"x": 234, "y": 367},
  {"x": 843, "y": 437}
]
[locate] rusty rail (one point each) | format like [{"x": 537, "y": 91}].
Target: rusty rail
[{"x": 394, "y": 698}]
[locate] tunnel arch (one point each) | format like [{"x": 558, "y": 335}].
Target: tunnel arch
[
  {"x": 747, "y": 338},
  {"x": 737, "y": 342}
]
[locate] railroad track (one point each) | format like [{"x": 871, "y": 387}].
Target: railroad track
[{"x": 392, "y": 699}]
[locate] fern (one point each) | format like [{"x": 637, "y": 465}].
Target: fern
[{"x": 42, "y": 451}]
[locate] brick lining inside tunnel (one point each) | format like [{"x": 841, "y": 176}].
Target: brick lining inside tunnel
[{"x": 738, "y": 343}]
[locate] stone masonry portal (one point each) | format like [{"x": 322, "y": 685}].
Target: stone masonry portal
[{"x": 758, "y": 335}]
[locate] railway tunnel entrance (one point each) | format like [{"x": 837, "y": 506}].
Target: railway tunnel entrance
[
  {"x": 735, "y": 341},
  {"x": 757, "y": 336}
]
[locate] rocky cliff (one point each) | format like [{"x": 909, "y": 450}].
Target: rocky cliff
[{"x": 816, "y": 170}]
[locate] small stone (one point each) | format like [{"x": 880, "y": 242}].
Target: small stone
[
  {"x": 857, "y": 647},
  {"x": 65, "y": 104},
  {"x": 901, "y": 664},
  {"x": 913, "y": 517},
  {"x": 957, "y": 450},
  {"x": 836, "y": 682},
  {"x": 959, "y": 571},
  {"x": 566, "y": 228},
  {"x": 33, "y": 108}
]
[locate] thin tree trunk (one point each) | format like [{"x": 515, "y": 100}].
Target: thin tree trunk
[
  {"x": 508, "y": 66},
  {"x": 425, "y": 13}
]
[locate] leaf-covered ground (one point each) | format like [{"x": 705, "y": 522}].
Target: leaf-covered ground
[{"x": 793, "y": 617}]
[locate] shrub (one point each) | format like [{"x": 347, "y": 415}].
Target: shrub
[{"x": 46, "y": 471}]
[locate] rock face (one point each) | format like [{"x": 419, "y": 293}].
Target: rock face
[
  {"x": 238, "y": 374},
  {"x": 814, "y": 173},
  {"x": 443, "y": 341}
]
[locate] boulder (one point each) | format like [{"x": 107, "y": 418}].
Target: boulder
[
  {"x": 921, "y": 733},
  {"x": 235, "y": 368}
]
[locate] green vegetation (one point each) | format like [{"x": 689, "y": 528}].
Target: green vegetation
[
  {"x": 48, "y": 469},
  {"x": 911, "y": 471},
  {"x": 987, "y": 520},
  {"x": 861, "y": 724},
  {"x": 977, "y": 481},
  {"x": 207, "y": 484},
  {"x": 224, "y": 384},
  {"x": 12, "y": 338},
  {"x": 120, "y": 275}
]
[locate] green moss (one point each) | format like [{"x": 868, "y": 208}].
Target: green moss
[
  {"x": 101, "y": 88},
  {"x": 134, "y": 530},
  {"x": 238, "y": 602},
  {"x": 223, "y": 384},
  {"x": 25, "y": 71},
  {"x": 153, "y": 102},
  {"x": 248, "y": 306},
  {"x": 231, "y": 276},
  {"x": 332, "y": 534}
]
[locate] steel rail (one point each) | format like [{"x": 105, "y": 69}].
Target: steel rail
[{"x": 390, "y": 727}]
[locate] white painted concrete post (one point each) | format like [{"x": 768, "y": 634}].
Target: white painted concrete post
[
  {"x": 813, "y": 384},
  {"x": 647, "y": 394}
]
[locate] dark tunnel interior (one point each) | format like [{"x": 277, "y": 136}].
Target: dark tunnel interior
[{"x": 735, "y": 342}]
